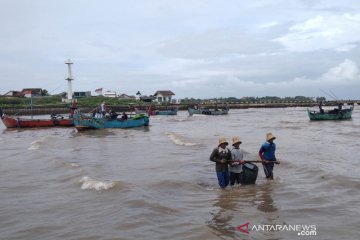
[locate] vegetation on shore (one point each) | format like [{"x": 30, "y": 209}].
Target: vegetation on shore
[{"x": 56, "y": 101}]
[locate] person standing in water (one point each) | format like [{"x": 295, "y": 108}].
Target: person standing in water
[
  {"x": 267, "y": 155},
  {"x": 236, "y": 163},
  {"x": 221, "y": 155}
]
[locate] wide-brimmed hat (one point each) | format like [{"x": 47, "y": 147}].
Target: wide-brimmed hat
[
  {"x": 222, "y": 140},
  {"x": 270, "y": 136},
  {"x": 235, "y": 140}
]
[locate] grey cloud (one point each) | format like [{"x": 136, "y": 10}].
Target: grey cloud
[{"x": 217, "y": 44}]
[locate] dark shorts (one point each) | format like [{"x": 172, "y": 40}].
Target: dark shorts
[{"x": 236, "y": 178}]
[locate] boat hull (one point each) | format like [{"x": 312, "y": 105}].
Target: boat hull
[
  {"x": 207, "y": 112},
  {"x": 165, "y": 112},
  {"x": 340, "y": 115},
  {"x": 11, "y": 122},
  {"x": 157, "y": 112},
  {"x": 83, "y": 121}
]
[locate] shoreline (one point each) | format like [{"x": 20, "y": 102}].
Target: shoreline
[{"x": 43, "y": 110}]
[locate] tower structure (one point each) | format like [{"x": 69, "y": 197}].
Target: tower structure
[{"x": 69, "y": 79}]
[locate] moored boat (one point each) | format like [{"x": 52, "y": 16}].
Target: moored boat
[
  {"x": 84, "y": 121},
  {"x": 151, "y": 112},
  {"x": 335, "y": 114},
  {"x": 17, "y": 122},
  {"x": 22, "y": 122},
  {"x": 208, "y": 111},
  {"x": 165, "y": 112}
]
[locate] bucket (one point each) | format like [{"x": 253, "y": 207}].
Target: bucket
[{"x": 250, "y": 172}]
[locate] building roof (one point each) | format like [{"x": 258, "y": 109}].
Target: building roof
[
  {"x": 164, "y": 93},
  {"x": 32, "y": 91},
  {"x": 124, "y": 95},
  {"x": 13, "y": 93}
]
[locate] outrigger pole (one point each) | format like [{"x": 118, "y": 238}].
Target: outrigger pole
[{"x": 253, "y": 161}]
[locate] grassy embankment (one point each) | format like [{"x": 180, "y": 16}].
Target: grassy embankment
[
  {"x": 53, "y": 104},
  {"x": 55, "y": 101}
]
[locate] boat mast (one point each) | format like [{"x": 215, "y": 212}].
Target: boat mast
[
  {"x": 31, "y": 106},
  {"x": 69, "y": 79}
]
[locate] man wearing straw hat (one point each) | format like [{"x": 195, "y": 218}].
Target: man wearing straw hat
[
  {"x": 267, "y": 155},
  {"x": 236, "y": 162},
  {"x": 221, "y": 156}
]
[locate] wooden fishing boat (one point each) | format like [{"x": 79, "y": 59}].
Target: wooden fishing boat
[
  {"x": 151, "y": 112},
  {"x": 21, "y": 122},
  {"x": 17, "y": 122},
  {"x": 84, "y": 121},
  {"x": 208, "y": 111},
  {"x": 335, "y": 114},
  {"x": 165, "y": 112}
]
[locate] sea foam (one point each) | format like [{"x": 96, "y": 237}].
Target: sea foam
[
  {"x": 35, "y": 145},
  {"x": 179, "y": 141},
  {"x": 93, "y": 184}
]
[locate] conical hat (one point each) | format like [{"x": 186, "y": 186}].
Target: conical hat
[
  {"x": 269, "y": 136},
  {"x": 222, "y": 140}
]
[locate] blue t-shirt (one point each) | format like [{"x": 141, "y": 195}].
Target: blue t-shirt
[{"x": 268, "y": 150}]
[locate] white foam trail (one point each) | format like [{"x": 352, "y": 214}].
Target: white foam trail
[
  {"x": 68, "y": 164},
  {"x": 37, "y": 144},
  {"x": 93, "y": 184},
  {"x": 177, "y": 140},
  {"x": 155, "y": 118},
  {"x": 199, "y": 115},
  {"x": 182, "y": 119}
]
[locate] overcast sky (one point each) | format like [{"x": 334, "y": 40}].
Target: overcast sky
[{"x": 198, "y": 48}]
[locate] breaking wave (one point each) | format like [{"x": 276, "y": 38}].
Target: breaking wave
[
  {"x": 179, "y": 141},
  {"x": 180, "y": 119},
  {"x": 69, "y": 164},
  {"x": 36, "y": 145},
  {"x": 93, "y": 184}
]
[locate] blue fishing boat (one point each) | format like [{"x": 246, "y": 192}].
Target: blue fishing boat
[
  {"x": 150, "y": 111},
  {"x": 84, "y": 121},
  {"x": 335, "y": 114},
  {"x": 165, "y": 112},
  {"x": 208, "y": 111}
]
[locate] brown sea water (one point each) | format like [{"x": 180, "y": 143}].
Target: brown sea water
[{"x": 157, "y": 182}]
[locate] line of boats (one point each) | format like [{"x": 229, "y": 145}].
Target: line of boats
[
  {"x": 141, "y": 118},
  {"x": 82, "y": 121}
]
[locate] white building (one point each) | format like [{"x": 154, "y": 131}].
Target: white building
[
  {"x": 82, "y": 94},
  {"x": 138, "y": 95},
  {"x": 110, "y": 94},
  {"x": 163, "y": 96}
]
